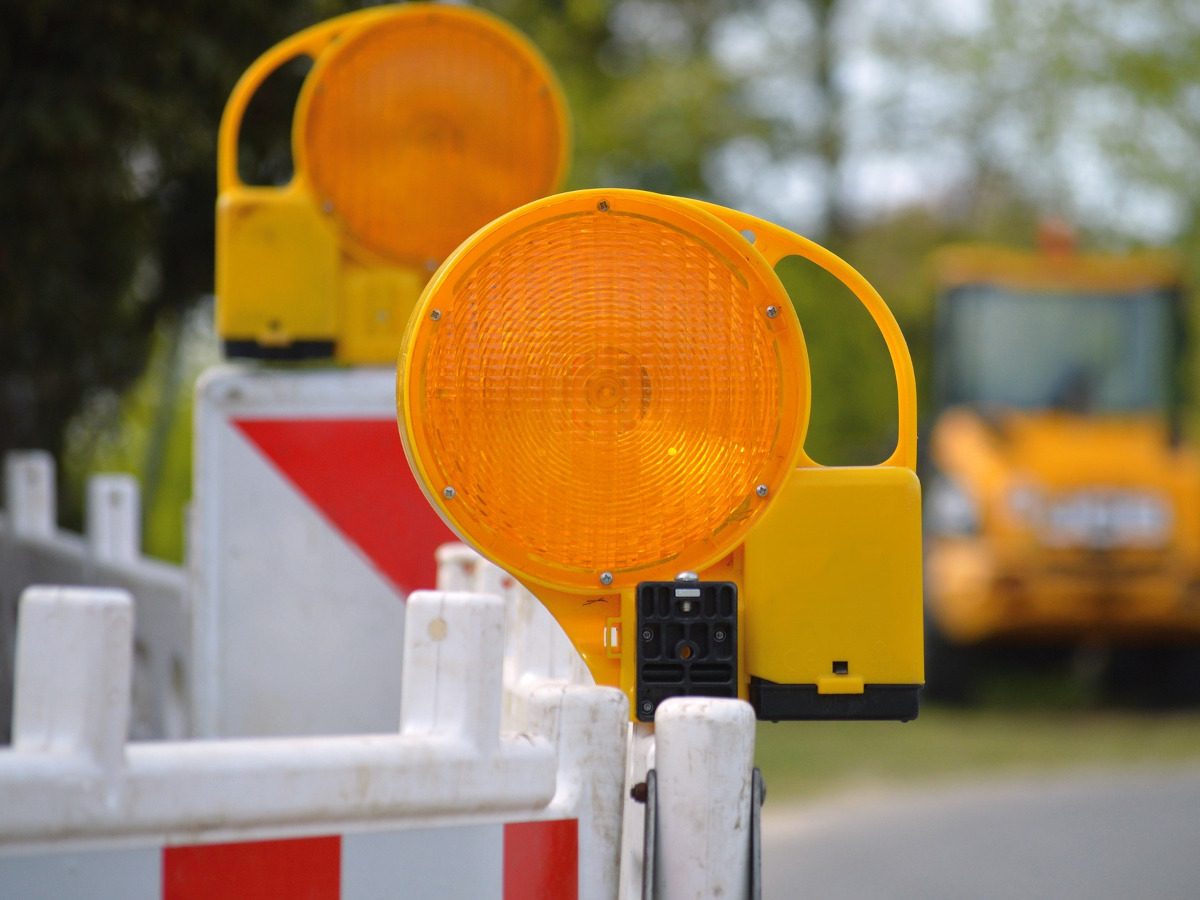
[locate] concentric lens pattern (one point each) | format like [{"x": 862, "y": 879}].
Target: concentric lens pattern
[
  {"x": 603, "y": 391},
  {"x": 426, "y": 127}
]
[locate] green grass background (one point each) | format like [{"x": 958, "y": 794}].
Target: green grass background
[{"x": 804, "y": 760}]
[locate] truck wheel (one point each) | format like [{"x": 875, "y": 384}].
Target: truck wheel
[
  {"x": 949, "y": 673},
  {"x": 1182, "y": 687}
]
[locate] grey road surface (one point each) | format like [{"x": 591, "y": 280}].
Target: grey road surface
[{"x": 1098, "y": 836}]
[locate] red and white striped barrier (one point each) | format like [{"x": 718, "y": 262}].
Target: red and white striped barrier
[{"x": 515, "y": 861}]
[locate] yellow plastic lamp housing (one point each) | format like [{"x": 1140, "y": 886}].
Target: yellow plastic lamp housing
[
  {"x": 603, "y": 388},
  {"x": 416, "y": 125}
]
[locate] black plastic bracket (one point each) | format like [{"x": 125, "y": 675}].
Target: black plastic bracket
[{"x": 686, "y": 641}]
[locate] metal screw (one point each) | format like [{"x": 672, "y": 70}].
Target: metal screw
[
  {"x": 772, "y": 312},
  {"x": 762, "y": 490},
  {"x": 687, "y": 576},
  {"x": 435, "y": 314},
  {"x": 448, "y": 492},
  {"x": 647, "y": 706},
  {"x": 719, "y": 634},
  {"x": 647, "y": 635},
  {"x": 602, "y": 206},
  {"x": 606, "y": 578}
]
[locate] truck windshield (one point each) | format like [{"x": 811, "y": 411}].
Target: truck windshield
[{"x": 1080, "y": 352}]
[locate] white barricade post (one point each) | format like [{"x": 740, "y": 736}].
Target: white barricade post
[
  {"x": 29, "y": 493},
  {"x": 33, "y": 550},
  {"x": 704, "y": 760},
  {"x": 114, "y": 511}
]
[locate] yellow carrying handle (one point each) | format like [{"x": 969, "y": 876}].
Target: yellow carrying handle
[
  {"x": 774, "y": 243},
  {"x": 309, "y": 42}
]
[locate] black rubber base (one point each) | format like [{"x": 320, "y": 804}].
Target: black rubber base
[
  {"x": 293, "y": 352},
  {"x": 801, "y": 702}
]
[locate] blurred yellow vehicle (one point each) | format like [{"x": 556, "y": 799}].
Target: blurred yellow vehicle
[{"x": 1063, "y": 505}]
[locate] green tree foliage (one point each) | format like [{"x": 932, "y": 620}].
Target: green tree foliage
[
  {"x": 1090, "y": 108},
  {"x": 647, "y": 99},
  {"x": 108, "y": 117}
]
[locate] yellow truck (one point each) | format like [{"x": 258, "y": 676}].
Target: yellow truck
[{"x": 1062, "y": 504}]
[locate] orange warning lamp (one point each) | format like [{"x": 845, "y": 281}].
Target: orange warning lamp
[
  {"x": 416, "y": 125},
  {"x": 605, "y": 392}
]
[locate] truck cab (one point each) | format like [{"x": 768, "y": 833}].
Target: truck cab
[{"x": 1062, "y": 505}]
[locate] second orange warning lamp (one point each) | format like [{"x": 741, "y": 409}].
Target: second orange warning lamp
[
  {"x": 416, "y": 125},
  {"x": 604, "y": 392}
]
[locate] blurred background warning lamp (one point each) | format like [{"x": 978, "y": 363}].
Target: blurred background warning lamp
[
  {"x": 605, "y": 389},
  {"x": 415, "y": 126}
]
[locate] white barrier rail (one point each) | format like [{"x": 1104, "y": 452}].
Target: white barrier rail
[
  {"x": 70, "y": 778},
  {"x": 33, "y": 550}
]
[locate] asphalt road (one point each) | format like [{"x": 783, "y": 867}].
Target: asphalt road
[{"x": 1093, "y": 837}]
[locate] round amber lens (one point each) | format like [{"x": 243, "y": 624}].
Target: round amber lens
[
  {"x": 421, "y": 127},
  {"x": 600, "y": 385}
]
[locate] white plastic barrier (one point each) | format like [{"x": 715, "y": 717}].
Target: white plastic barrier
[
  {"x": 536, "y": 649},
  {"x": 33, "y": 550},
  {"x": 71, "y": 781},
  {"x": 701, "y": 749}
]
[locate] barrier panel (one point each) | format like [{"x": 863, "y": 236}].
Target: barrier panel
[
  {"x": 310, "y": 532},
  {"x": 34, "y": 550}
]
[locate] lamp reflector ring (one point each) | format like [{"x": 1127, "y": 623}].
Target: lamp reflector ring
[{"x": 603, "y": 389}]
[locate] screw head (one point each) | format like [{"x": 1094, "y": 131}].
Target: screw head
[
  {"x": 687, "y": 576},
  {"x": 435, "y": 314},
  {"x": 762, "y": 490},
  {"x": 719, "y": 634},
  {"x": 647, "y": 706},
  {"x": 772, "y": 312},
  {"x": 602, "y": 206},
  {"x": 606, "y": 578},
  {"x": 448, "y": 492},
  {"x": 647, "y": 634}
]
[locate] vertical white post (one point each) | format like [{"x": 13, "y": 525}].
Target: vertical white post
[
  {"x": 453, "y": 655},
  {"x": 587, "y": 725},
  {"x": 704, "y": 761},
  {"x": 456, "y": 567},
  {"x": 114, "y": 512},
  {"x": 30, "y": 494},
  {"x": 73, "y": 673}
]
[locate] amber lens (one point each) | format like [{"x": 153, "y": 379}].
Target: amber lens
[
  {"x": 603, "y": 389},
  {"x": 421, "y": 127}
]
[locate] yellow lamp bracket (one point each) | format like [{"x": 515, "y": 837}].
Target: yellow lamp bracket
[
  {"x": 416, "y": 125},
  {"x": 606, "y": 393}
]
